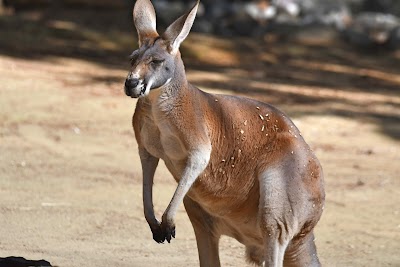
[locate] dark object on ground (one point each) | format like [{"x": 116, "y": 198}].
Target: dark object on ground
[
  {"x": 371, "y": 29},
  {"x": 22, "y": 262}
]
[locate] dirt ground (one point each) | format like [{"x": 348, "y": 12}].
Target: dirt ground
[{"x": 70, "y": 176}]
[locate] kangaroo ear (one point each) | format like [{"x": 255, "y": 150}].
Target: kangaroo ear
[
  {"x": 179, "y": 30},
  {"x": 144, "y": 18}
]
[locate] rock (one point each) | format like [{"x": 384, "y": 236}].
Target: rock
[
  {"x": 332, "y": 13},
  {"x": 22, "y": 262},
  {"x": 370, "y": 29}
]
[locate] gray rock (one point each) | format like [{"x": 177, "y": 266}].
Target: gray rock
[{"x": 373, "y": 29}]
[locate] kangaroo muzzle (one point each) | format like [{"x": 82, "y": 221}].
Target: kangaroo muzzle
[{"x": 134, "y": 87}]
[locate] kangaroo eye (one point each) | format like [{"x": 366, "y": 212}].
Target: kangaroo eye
[
  {"x": 134, "y": 56},
  {"x": 157, "y": 61},
  {"x": 132, "y": 60}
]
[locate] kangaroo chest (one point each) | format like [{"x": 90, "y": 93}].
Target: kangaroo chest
[{"x": 161, "y": 141}]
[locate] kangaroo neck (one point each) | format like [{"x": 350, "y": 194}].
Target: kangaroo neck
[{"x": 179, "y": 84}]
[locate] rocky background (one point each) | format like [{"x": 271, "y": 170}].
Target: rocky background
[{"x": 364, "y": 23}]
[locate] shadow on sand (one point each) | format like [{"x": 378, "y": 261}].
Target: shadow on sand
[{"x": 303, "y": 75}]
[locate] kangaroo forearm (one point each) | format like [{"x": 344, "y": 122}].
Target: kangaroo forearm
[
  {"x": 149, "y": 166},
  {"x": 196, "y": 164}
]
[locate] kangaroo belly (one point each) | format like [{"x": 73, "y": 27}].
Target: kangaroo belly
[
  {"x": 226, "y": 196},
  {"x": 236, "y": 209}
]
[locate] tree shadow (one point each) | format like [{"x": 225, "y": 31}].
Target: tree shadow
[
  {"x": 101, "y": 36},
  {"x": 304, "y": 76},
  {"x": 314, "y": 79}
]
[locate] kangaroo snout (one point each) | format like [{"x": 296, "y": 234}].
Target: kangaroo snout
[
  {"x": 134, "y": 87},
  {"x": 131, "y": 83}
]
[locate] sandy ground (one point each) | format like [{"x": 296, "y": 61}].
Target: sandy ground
[{"x": 70, "y": 178}]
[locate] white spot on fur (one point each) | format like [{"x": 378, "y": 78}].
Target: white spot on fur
[
  {"x": 148, "y": 86},
  {"x": 167, "y": 82}
]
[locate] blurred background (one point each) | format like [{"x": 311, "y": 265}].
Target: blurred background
[{"x": 70, "y": 176}]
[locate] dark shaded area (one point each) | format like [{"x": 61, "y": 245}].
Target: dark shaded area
[
  {"x": 303, "y": 71},
  {"x": 307, "y": 75},
  {"x": 22, "y": 262},
  {"x": 102, "y": 36}
]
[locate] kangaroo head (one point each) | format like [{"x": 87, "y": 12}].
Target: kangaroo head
[{"x": 155, "y": 63}]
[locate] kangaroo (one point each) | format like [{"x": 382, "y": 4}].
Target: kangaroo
[{"x": 242, "y": 167}]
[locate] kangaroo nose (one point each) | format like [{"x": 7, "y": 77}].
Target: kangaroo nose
[{"x": 130, "y": 84}]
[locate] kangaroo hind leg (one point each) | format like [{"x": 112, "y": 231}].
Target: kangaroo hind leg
[
  {"x": 207, "y": 238},
  {"x": 302, "y": 252},
  {"x": 277, "y": 221}
]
